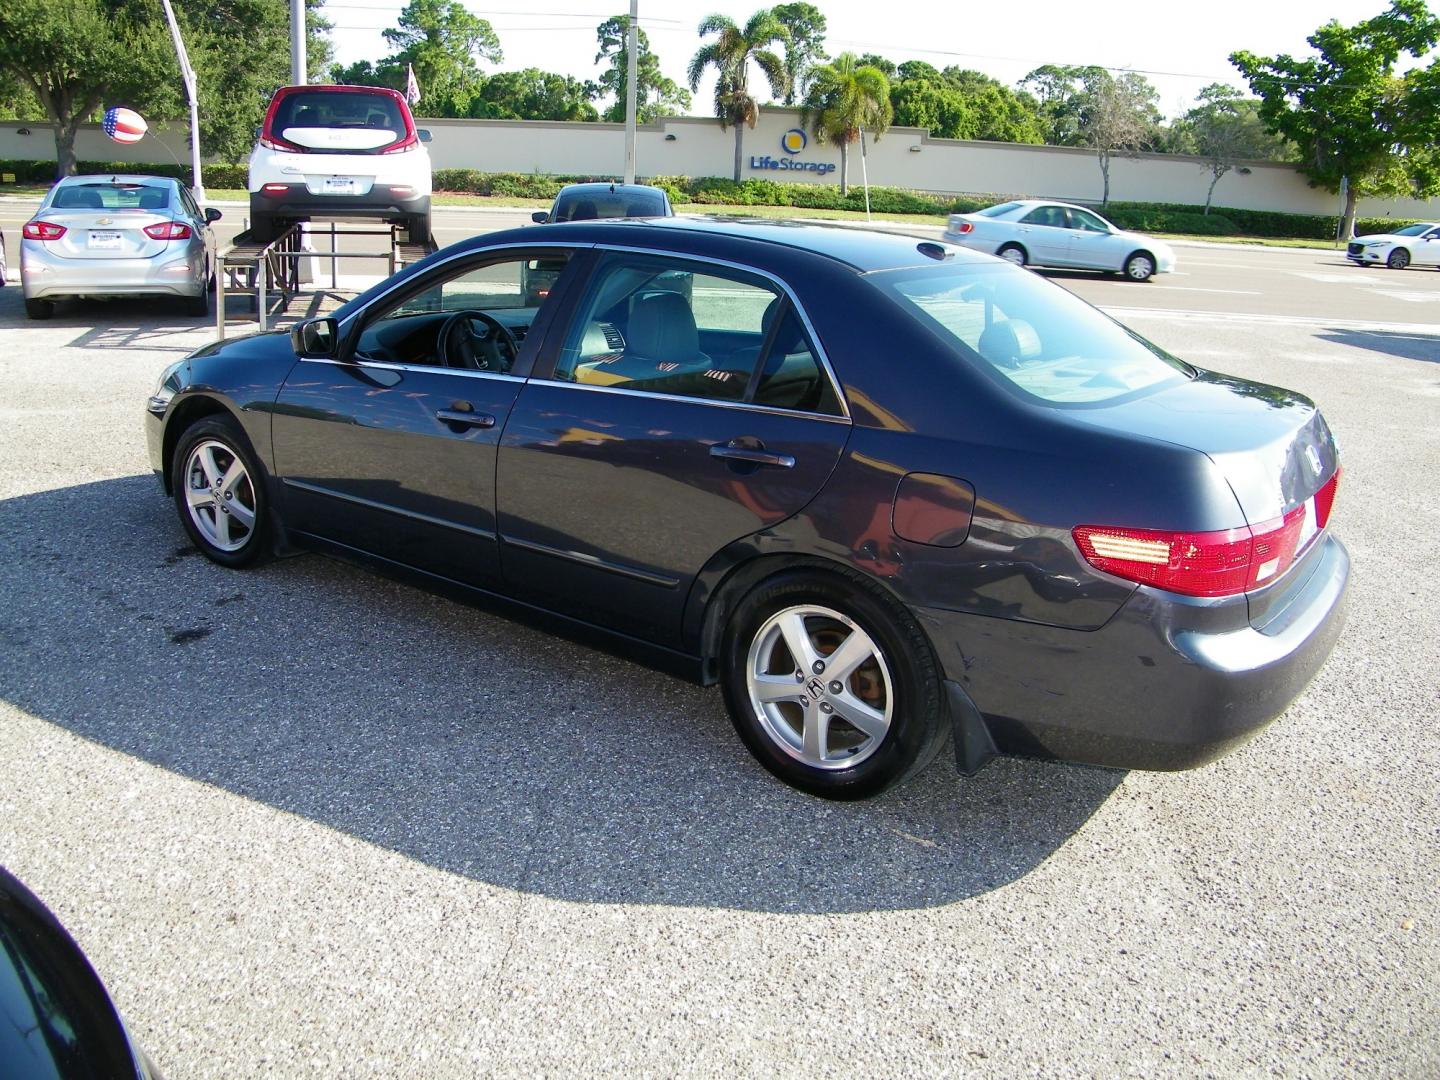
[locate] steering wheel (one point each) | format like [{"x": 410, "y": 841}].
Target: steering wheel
[{"x": 460, "y": 345}]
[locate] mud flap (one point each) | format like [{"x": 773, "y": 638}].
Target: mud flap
[{"x": 974, "y": 746}]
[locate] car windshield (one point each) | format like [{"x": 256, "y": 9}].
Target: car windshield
[
  {"x": 1413, "y": 230},
  {"x": 587, "y": 205},
  {"x": 111, "y": 195},
  {"x": 997, "y": 211},
  {"x": 1036, "y": 337}
]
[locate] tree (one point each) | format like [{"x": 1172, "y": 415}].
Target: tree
[
  {"x": 961, "y": 104},
  {"x": 655, "y": 95},
  {"x": 1062, "y": 93},
  {"x": 806, "y": 46},
  {"x": 532, "y": 94},
  {"x": 1224, "y": 128},
  {"x": 1356, "y": 123},
  {"x": 1121, "y": 118},
  {"x": 444, "y": 43},
  {"x": 844, "y": 100},
  {"x": 731, "y": 54},
  {"x": 77, "y": 55},
  {"x": 875, "y": 60}
]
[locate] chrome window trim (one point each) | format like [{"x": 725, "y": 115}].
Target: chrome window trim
[
  {"x": 745, "y": 406},
  {"x": 468, "y": 253},
  {"x": 388, "y": 366},
  {"x": 756, "y": 272}
]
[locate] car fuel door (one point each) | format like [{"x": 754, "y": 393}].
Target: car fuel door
[{"x": 389, "y": 450}]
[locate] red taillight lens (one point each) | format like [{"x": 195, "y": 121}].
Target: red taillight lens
[
  {"x": 168, "y": 230},
  {"x": 42, "y": 230},
  {"x": 402, "y": 146},
  {"x": 964, "y": 227},
  {"x": 275, "y": 189},
  {"x": 401, "y": 191},
  {"x": 1210, "y": 563},
  {"x": 274, "y": 142}
]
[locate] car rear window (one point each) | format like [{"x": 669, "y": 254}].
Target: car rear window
[
  {"x": 111, "y": 195},
  {"x": 584, "y": 206},
  {"x": 1034, "y": 337},
  {"x": 996, "y": 211},
  {"x": 310, "y": 118}
]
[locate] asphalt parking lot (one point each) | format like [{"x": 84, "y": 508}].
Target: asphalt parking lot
[{"x": 309, "y": 822}]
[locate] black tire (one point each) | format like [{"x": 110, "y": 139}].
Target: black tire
[
  {"x": 199, "y": 306},
  {"x": 39, "y": 309},
  {"x": 1140, "y": 266},
  {"x": 1024, "y": 255},
  {"x": 264, "y": 227},
  {"x": 417, "y": 228},
  {"x": 913, "y": 691},
  {"x": 223, "y": 434},
  {"x": 1398, "y": 259}
]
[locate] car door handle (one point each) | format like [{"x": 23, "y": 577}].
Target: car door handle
[
  {"x": 753, "y": 457},
  {"x": 465, "y": 418}
]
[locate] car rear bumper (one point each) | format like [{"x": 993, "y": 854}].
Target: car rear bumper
[
  {"x": 380, "y": 203},
  {"x": 1152, "y": 689},
  {"x": 44, "y": 275}
]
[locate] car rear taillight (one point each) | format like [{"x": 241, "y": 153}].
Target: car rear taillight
[
  {"x": 168, "y": 230},
  {"x": 401, "y": 191},
  {"x": 963, "y": 227},
  {"x": 42, "y": 230},
  {"x": 1221, "y": 563},
  {"x": 275, "y": 189},
  {"x": 274, "y": 142},
  {"x": 408, "y": 143}
]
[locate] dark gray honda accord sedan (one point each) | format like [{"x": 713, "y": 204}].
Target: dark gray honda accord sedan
[{"x": 879, "y": 490}]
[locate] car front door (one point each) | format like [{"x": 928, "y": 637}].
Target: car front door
[
  {"x": 686, "y": 406},
  {"x": 390, "y": 448},
  {"x": 1427, "y": 251}
]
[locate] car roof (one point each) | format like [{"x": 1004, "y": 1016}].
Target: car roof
[
  {"x": 862, "y": 249},
  {"x": 606, "y": 186}
]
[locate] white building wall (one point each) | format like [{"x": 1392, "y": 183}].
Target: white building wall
[{"x": 903, "y": 157}]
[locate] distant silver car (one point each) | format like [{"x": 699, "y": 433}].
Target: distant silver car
[
  {"x": 117, "y": 236},
  {"x": 1417, "y": 245},
  {"x": 1033, "y": 232}
]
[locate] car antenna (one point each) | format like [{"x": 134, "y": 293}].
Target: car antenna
[{"x": 612, "y": 187}]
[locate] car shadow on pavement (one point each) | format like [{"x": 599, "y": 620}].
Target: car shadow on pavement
[
  {"x": 458, "y": 738},
  {"x": 1389, "y": 342}
]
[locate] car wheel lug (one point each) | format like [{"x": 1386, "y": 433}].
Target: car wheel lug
[
  {"x": 835, "y": 688},
  {"x": 818, "y": 666},
  {"x": 799, "y": 676},
  {"x": 826, "y": 707}
]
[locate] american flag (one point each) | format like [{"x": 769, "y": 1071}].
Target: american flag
[
  {"x": 412, "y": 85},
  {"x": 124, "y": 125}
]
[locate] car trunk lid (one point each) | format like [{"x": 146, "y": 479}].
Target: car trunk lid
[{"x": 105, "y": 234}]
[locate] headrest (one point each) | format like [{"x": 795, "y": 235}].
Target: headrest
[
  {"x": 1009, "y": 342},
  {"x": 662, "y": 327},
  {"x": 584, "y": 211},
  {"x": 790, "y": 338}
]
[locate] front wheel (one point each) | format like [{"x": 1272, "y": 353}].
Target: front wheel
[
  {"x": 831, "y": 684},
  {"x": 1399, "y": 259},
  {"x": 220, "y": 492},
  {"x": 1140, "y": 266}
]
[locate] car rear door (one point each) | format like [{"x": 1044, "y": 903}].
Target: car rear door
[
  {"x": 1046, "y": 239},
  {"x": 1092, "y": 246},
  {"x": 686, "y": 405},
  {"x": 390, "y": 450}
]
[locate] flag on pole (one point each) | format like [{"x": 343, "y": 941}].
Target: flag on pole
[{"x": 412, "y": 85}]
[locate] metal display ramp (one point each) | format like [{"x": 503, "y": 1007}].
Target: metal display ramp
[{"x": 270, "y": 273}]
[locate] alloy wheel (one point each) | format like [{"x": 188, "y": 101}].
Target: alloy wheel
[
  {"x": 220, "y": 495},
  {"x": 820, "y": 687},
  {"x": 1140, "y": 268}
]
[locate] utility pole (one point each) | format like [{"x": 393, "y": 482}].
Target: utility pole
[
  {"x": 632, "y": 44},
  {"x": 187, "y": 73},
  {"x": 298, "y": 65}
]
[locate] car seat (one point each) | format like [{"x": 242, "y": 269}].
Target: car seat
[
  {"x": 585, "y": 210},
  {"x": 79, "y": 198},
  {"x": 1009, "y": 343},
  {"x": 153, "y": 198}
]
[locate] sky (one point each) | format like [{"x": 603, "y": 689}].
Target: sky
[{"x": 1179, "y": 48}]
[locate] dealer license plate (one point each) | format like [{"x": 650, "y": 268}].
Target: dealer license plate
[
  {"x": 104, "y": 241},
  {"x": 339, "y": 185}
]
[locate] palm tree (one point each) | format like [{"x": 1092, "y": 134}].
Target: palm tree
[
  {"x": 731, "y": 53},
  {"x": 843, "y": 101}
]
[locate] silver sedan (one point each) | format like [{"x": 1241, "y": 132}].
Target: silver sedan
[
  {"x": 117, "y": 236},
  {"x": 1033, "y": 232}
]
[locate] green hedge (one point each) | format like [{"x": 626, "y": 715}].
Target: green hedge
[
  {"x": 1181, "y": 217},
  {"x": 43, "y": 172}
]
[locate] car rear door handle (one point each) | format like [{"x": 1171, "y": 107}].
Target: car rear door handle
[
  {"x": 753, "y": 457},
  {"x": 465, "y": 418}
]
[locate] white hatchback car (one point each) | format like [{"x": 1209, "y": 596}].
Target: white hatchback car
[
  {"x": 339, "y": 153},
  {"x": 1032, "y": 232},
  {"x": 1417, "y": 244}
]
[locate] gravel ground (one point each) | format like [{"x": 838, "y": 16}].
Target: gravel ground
[{"x": 308, "y": 822}]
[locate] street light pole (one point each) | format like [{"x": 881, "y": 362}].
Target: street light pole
[
  {"x": 298, "y": 64},
  {"x": 632, "y": 43},
  {"x": 187, "y": 73}
]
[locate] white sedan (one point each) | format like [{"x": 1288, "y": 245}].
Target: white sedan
[
  {"x": 1032, "y": 232},
  {"x": 1418, "y": 244}
]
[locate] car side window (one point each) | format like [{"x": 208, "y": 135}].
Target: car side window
[
  {"x": 692, "y": 330},
  {"x": 509, "y": 291},
  {"x": 1050, "y": 216},
  {"x": 1083, "y": 219}
]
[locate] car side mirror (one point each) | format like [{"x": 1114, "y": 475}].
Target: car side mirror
[
  {"x": 315, "y": 337},
  {"x": 540, "y": 217},
  {"x": 212, "y": 215},
  {"x": 423, "y": 134}
]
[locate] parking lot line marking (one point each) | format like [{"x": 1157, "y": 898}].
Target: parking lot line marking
[{"x": 1196, "y": 288}]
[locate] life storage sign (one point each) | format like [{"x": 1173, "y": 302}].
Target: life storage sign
[{"x": 793, "y": 142}]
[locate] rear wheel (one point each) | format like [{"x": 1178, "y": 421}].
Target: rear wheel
[
  {"x": 417, "y": 227},
  {"x": 199, "y": 306},
  {"x": 220, "y": 492},
  {"x": 1014, "y": 253},
  {"x": 264, "y": 227},
  {"x": 39, "y": 309},
  {"x": 1399, "y": 259},
  {"x": 831, "y": 684},
  {"x": 1140, "y": 266}
]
